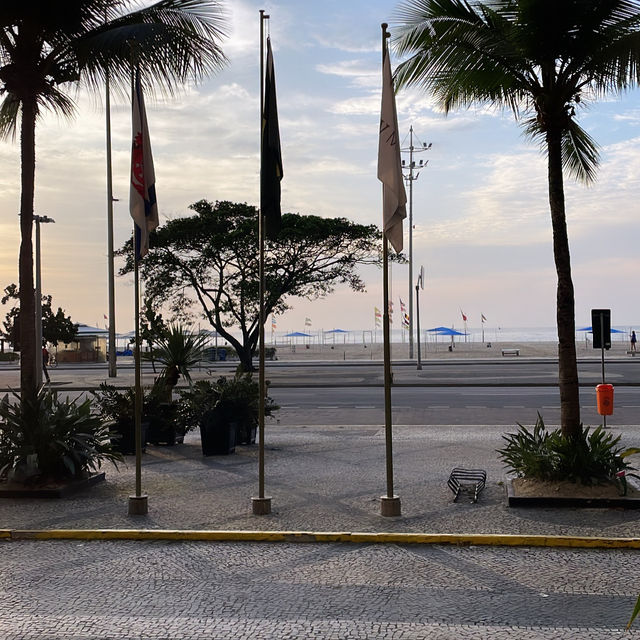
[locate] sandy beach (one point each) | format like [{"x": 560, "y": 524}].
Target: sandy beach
[{"x": 440, "y": 351}]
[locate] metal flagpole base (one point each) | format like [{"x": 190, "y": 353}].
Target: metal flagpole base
[
  {"x": 261, "y": 506},
  {"x": 390, "y": 507},
  {"x": 138, "y": 505}
]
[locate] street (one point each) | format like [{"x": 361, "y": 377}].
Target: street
[{"x": 445, "y": 405}]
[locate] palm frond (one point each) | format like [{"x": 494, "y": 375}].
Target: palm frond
[
  {"x": 461, "y": 53},
  {"x": 579, "y": 153},
  {"x": 9, "y": 111},
  {"x": 171, "y": 40}
]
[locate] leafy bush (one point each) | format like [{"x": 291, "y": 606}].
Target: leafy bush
[
  {"x": 51, "y": 440},
  {"x": 9, "y": 356},
  {"x": 593, "y": 457},
  {"x": 233, "y": 399},
  {"x": 161, "y": 417}
]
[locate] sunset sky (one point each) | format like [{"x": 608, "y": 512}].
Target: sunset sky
[{"x": 482, "y": 225}]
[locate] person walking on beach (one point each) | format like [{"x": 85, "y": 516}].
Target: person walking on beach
[
  {"x": 633, "y": 341},
  {"x": 45, "y": 362}
]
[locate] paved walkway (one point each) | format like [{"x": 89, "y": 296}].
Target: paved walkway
[{"x": 322, "y": 478}]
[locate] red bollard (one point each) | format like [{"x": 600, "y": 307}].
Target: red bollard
[{"x": 604, "y": 397}]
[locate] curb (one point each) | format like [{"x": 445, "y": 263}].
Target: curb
[{"x": 503, "y": 540}]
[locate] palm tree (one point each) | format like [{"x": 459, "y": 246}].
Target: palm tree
[
  {"x": 542, "y": 59},
  {"x": 47, "y": 49}
]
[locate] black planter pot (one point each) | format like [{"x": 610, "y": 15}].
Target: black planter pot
[
  {"x": 163, "y": 428},
  {"x": 126, "y": 442},
  {"x": 217, "y": 435},
  {"x": 247, "y": 435}
]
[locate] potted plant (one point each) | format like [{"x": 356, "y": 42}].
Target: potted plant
[
  {"x": 119, "y": 408},
  {"x": 48, "y": 441},
  {"x": 226, "y": 412}
]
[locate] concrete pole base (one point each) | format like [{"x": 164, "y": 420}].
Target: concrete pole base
[
  {"x": 390, "y": 507},
  {"x": 261, "y": 506},
  {"x": 138, "y": 505}
]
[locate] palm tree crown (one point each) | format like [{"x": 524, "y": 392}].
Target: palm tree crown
[{"x": 543, "y": 60}]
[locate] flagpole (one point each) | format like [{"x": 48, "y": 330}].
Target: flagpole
[
  {"x": 389, "y": 504},
  {"x": 138, "y": 504},
  {"x": 111, "y": 273},
  {"x": 261, "y": 505}
]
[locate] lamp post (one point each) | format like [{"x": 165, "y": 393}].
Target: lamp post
[
  {"x": 419, "y": 285},
  {"x": 410, "y": 177},
  {"x": 38, "y": 363}
]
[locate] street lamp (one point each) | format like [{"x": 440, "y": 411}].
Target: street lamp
[
  {"x": 419, "y": 285},
  {"x": 410, "y": 177},
  {"x": 38, "y": 363}
]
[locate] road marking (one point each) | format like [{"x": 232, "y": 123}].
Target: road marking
[
  {"x": 514, "y": 406},
  {"x": 371, "y": 407},
  {"x": 328, "y": 407},
  {"x": 475, "y": 406},
  {"x": 438, "y": 406},
  {"x": 549, "y": 407}
]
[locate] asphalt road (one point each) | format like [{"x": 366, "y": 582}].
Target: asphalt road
[{"x": 445, "y": 405}]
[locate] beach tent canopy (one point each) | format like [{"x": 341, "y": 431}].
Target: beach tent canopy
[
  {"x": 436, "y": 329},
  {"x": 297, "y": 334},
  {"x": 450, "y": 332},
  {"x": 590, "y": 330},
  {"x": 337, "y": 331}
]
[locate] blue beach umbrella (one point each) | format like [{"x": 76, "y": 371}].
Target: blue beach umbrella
[{"x": 590, "y": 330}]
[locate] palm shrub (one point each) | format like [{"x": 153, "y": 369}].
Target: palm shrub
[
  {"x": 177, "y": 350},
  {"x": 591, "y": 457},
  {"x": 45, "y": 439}
]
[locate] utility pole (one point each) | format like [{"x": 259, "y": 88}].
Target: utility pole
[
  {"x": 38, "y": 220},
  {"x": 410, "y": 177}
]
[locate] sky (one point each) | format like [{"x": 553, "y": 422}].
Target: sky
[{"x": 482, "y": 227}]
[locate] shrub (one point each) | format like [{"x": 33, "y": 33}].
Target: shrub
[
  {"x": 51, "y": 440},
  {"x": 592, "y": 457},
  {"x": 233, "y": 399}
]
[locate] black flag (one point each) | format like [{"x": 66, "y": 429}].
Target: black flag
[{"x": 271, "y": 162}]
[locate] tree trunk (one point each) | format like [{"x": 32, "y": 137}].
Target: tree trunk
[
  {"x": 245, "y": 355},
  {"x": 30, "y": 356},
  {"x": 565, "y": 312}
]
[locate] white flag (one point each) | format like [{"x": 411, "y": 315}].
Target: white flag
[
  {"x": 142, "y": 194},
  {"x": 389, "y": 165}
]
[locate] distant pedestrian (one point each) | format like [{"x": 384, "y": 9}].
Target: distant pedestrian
[
  {"x": 45, "y": 362},
  {"x": 633, "y": 341}
]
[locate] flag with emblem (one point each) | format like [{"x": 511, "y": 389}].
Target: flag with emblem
[{"x": 142, "y": 194}]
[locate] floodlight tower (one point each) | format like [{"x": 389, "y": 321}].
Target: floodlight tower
[{"x": 410, "y": 177}]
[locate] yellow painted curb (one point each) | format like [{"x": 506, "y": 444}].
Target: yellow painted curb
[{"x": 582, "y": 542}]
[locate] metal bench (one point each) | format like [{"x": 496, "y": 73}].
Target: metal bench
[
  {"x": 510, "y": 352},
  {"x": 471, "y": 481}
]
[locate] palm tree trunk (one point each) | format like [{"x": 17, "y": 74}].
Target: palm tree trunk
[
  {"x": 567, "y": 363},
  {"x": 29, "y": 355}
]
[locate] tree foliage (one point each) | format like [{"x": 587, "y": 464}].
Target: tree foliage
[
  {"x": 543, "y": 60},
  {"x": 56, "y": 327},
  {"x": 210, "y": 261}
]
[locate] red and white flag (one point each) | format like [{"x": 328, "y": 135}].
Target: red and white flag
[{"x": 142, "y": 194}]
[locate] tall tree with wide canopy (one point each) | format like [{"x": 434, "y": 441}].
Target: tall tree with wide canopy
[
  {"x": 542, "y": 59},
  {"x": 210, "y": 261},
  {"x": 48, "y": 48}
]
